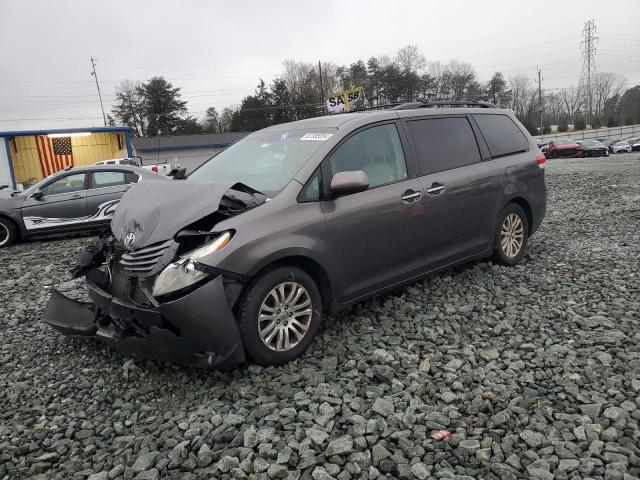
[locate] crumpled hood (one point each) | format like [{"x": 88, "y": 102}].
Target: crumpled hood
[{"x": 156, "y": 210}]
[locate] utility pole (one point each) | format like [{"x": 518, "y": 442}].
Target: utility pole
[
  {"x": 540, "y": 101},
  {"x": 324, "y": 104},
  {"x": 588, "y": 76},
  {"x": 95, "y": 75}
]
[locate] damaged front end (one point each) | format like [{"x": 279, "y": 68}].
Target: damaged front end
[{"x": 152, "y": 296}]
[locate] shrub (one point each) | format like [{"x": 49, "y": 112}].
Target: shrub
[
  {"x": 563, "y": 127},
  {"x": 580, "y": 123}
]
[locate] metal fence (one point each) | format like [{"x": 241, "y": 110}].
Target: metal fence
[{"x": 613, "y": 132}]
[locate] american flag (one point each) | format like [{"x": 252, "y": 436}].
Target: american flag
[{"x": 55, "y": 153}]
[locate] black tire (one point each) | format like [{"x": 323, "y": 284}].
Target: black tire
[
  {"x": 249, "y": 310},
  {"x": 499, "y": 254},
  {"x": 8, "y": 233}
]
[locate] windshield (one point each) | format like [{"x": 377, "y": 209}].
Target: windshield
[
  {"x": 264, "y": 161},
  {"x": 563, "y": 141},
  {"x": 591, "y": 143}
]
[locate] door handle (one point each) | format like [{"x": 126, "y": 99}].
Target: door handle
[
  {"x": 411, "y": 196},
  {"x": 435, "y": 188}
]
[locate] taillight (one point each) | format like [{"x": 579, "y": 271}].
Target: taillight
[
  {"x": 541, "y": 160},
  {"x": 154, "y": 169}
]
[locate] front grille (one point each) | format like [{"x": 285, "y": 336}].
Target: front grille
[{"x": 149, "y": 260}]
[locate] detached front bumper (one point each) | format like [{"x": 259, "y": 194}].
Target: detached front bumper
[{"x": 197, "y": 329}]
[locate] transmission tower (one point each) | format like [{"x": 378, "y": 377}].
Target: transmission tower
[{"x": 588, "y": 77}]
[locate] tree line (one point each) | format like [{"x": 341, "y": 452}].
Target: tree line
[{"x": 156, "y": 107}]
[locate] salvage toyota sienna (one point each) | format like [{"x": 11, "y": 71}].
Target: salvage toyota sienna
[{"x": 240, "y": 260}]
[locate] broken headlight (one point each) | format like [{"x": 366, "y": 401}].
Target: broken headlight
[{"x": 183, "y": 272}]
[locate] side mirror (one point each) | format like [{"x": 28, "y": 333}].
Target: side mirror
[
  {"x": 344, "y": 183},
  {"x": 178, "y": 173},
  {"x": 37, "y": 195}
]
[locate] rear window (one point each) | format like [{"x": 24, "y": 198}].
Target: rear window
[
  {"x": 444, "y": 143},
  {"x": 502, "y": 135}
]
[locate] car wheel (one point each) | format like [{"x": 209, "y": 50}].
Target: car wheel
[
  {"x": 511, "y": 236},
  {"x": 8, "y": 233},
  {"x": 279, "y": 315}
]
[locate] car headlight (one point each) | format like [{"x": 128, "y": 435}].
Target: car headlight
[{"x": 183, "y": 272}]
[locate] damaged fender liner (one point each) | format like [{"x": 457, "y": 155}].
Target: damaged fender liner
[{"x": 202, "y": 330}]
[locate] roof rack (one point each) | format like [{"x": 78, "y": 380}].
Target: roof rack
[{"x": 444, "y": 104}]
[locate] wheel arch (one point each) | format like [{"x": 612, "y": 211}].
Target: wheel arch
[
  {"x": 309, "y": 265},
  {"x": 524, "y": 204},
  {"x": 18, "y": 229}
]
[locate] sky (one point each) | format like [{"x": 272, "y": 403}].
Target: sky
[{"x": 216, "y": 51}]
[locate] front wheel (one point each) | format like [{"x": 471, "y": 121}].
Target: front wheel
[
  {"x": 8, "y": 233},
  {"x": 511, "y": 235},
  {"x": 279, "y": 315}
]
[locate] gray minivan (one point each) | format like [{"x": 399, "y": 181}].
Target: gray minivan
[{"x": 241, "y": 259}]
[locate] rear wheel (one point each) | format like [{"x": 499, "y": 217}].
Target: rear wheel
[
  {"x": 8, "y": 233},
  {"x": 279, "y": 315},
  {"x": 511, "y": 236}
]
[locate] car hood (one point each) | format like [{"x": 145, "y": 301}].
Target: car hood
[{"x": 155, "y": 210}]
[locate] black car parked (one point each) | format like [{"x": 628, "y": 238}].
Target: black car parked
[
  {"x": 243, "y": 258},
  {"x": 593, "y": 148},
  {"x": 76, "y": 199}
]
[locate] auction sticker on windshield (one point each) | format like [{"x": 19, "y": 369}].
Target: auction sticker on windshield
[{"x": 317, "y": 136}]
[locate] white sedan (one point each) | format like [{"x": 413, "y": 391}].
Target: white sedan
[{"x": 622, "y": 147}]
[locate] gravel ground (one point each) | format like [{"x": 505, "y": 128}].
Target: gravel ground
[{"x": 534, "y": 370}]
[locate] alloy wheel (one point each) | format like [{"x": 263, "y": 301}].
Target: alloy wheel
[
  {"x": 285, "y": 316},
  {"x": 512, "y": 235},
  {"x": 4, "y": 234}
]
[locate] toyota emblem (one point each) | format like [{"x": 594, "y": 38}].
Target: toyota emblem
[{"x": 129, "y": 239}]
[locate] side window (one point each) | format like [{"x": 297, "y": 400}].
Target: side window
[
  {"x": 108, "y": 179},
  {"x": 444, "y": 143},
  {"x": 311, "y": 191},
  {"x": 111, "y": 162},
  {"x": 377, "y": 151},
  {"x": 502, "y": 135},
  {"x": 132, "y": 177},
  {"x": 68, "y": 184}
]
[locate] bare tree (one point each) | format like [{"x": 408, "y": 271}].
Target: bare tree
[
  {"x": 463, "y": 79},
  {"x": 521, "y": 94},
  {"x": 571, "y": 101},
  {"x": 608, "y": 85},
  {"x": 409, "y": 59}
]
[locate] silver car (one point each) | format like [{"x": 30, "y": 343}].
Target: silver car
[{"x": 76, "y": 199}]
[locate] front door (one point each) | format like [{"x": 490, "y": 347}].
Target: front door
[
  {"x": 59, "y": 205},
  {"x": 376, "y": 236},
  {"x": 462, "y": 191}
]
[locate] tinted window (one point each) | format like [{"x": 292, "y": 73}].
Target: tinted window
[
  {"x": 132, "y": 177},
  {"x": 376, "y": 151},
  {"x": 67, "y": 184},
  {"x": 108, "y": 179},
  {"x": 311, "y": 191},
  {"x": 502, "y": 135},
  {"x": 444, "y": 143}
]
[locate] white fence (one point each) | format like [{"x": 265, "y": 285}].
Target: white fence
[{"x": 613, "y": 132}]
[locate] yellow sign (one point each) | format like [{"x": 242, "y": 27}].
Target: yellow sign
[{"x": 341, "y": 101}]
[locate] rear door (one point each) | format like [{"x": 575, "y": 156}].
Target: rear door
[
  {"x": 376, "y": 235},
  {"x": 462, "y": 190},
  {"x": 105, "y": 190},
  {"x": 59, "y": 205}
]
